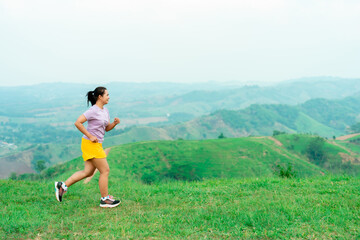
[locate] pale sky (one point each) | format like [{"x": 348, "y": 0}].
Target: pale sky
[{"x": 93, "y": 41}]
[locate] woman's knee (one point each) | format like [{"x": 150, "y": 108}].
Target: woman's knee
[
  {"x": 102, "y": 165},
  {"x": 105, "y": 170}
]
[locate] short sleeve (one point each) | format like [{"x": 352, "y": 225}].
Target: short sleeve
[{"x": 88, "y": 114}]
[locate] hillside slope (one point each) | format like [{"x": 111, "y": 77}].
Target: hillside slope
[
  {"x": 327, "y": 118},
  {"x": 155, "y": 161}
]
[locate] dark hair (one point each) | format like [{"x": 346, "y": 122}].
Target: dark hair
[{"x": 92, "y": 96}]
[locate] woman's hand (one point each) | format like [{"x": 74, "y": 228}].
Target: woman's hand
[
  {"x": 93, "y": 139},
  {"x": 113, "y": 124},
  {"x": 116, "y": 121}
]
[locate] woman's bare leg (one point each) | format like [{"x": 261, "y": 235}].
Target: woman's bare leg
[
  {"x": 107, "y": 150},
  {"x": 102, "y": 165},
  {"x": 88, "y": 171}
]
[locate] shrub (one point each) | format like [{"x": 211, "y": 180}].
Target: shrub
[
  {"x": 221, "y": 136},
  {"x": 285, "y": 171},
  {"x": 315, "y": 151},
  {"x": 39, "y": 166},
  {"x": 13, "y": 176},
  {"x": 149, "y": 178},
  {"x": 276, "y": 132}
]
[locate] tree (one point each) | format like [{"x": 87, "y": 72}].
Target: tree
[
  {"x": 355, "y": 128},
  {"x": 221, "y": 136},
  {"x": 13, "y": 176},
  {"x": 315, "y": 151},
  {"x": 277, "y": 132},
  {"x": 39, "y": 165}
]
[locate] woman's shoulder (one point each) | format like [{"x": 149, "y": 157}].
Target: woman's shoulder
[{"x": 92, "y": 108}]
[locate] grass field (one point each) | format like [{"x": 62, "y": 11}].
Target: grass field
[
  {"x": 256, "y": 208},
  {"x": 231, "y": 192}
]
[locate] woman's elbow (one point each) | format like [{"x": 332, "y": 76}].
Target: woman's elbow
[{"x": 77, "y": 124}]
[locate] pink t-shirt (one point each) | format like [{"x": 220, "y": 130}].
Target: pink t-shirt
[{"x": 97, "y": 119}]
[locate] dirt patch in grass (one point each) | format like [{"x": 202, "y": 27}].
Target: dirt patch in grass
[
  {"x": 343, "y": 138},
  {"x": 347, "y": 158}
]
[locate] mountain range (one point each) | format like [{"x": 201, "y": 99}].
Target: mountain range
[
  {"x": 327, "y": 118},
  {"x": 37, "y": 124}
]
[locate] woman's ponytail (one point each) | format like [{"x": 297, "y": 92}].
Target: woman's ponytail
[{"x": 92, "y": 96}]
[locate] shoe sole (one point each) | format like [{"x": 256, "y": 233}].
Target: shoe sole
[
  {"x": 57, "y": 192},
  {"x": 109, "y": 205}
]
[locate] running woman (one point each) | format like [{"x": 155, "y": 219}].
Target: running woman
[{"x": 93, "y": 153}]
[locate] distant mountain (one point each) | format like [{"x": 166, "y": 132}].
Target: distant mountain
[
  {"x": 292, "y": 92},
  {"x": 33, "y": 100},
  {"x": 62, "y": 102},
  {"x": 319, "y": 87},
  {"x": 324, "y": 117}
]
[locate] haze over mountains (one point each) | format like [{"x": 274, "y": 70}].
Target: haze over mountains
[
  {"x": 136, "y": 100},
  {"x": 39, "y": 119}
]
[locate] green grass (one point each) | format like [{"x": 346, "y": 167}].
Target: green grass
[
  {"x": 253, "y": 208},
  {"x": 304, "y": 123},
  {"x": 155, "y": 161},
  {"x": 354, "y": 147},
  {"x": 351, "y": 143},
  {"x": 298, "y": 144},
  {"x": 234, "y": 194},
  {"x": 338, "y": 153}
]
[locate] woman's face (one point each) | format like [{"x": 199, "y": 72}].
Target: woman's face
[{"x": 105, "y": 97}]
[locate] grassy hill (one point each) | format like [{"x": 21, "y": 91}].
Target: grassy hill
[
  {"x": 232, "y": 191},
  {"x": 156, "y": 161},
  {"x": 338, "y": 157}
]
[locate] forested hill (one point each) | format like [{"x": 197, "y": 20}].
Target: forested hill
[
  {"x": 288, "y": 92},
  {"x": 326, "y": 118}
]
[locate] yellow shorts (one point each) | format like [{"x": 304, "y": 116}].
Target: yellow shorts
[{"x": 91, "y": 150}]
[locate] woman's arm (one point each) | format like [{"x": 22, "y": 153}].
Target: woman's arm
[
  {"x": 110, "y": 126},
  {"x": 79, "y": 124}
]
